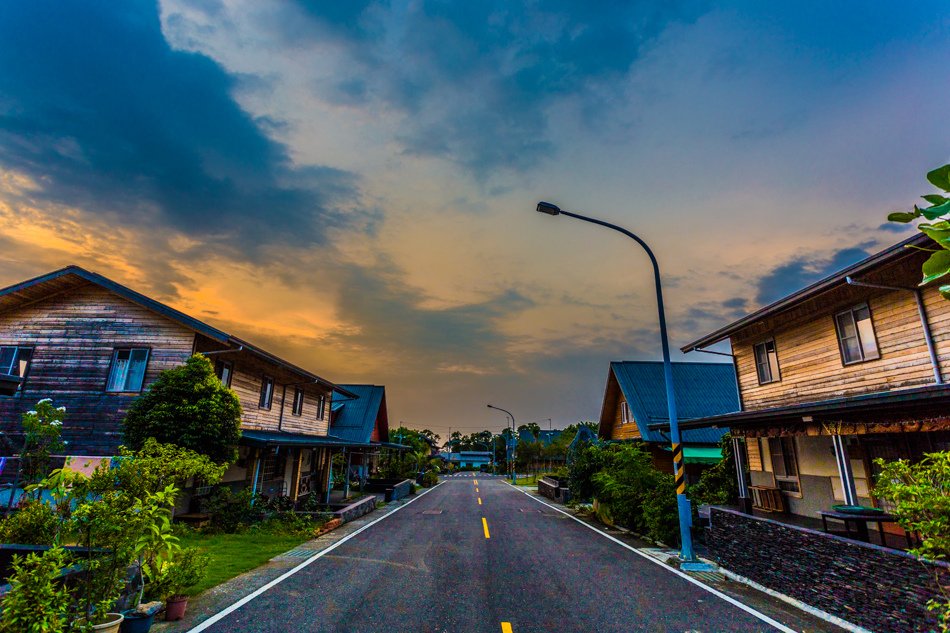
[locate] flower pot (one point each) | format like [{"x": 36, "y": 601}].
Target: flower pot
[
  {"x": 136, "y": 623},
  {"x": 111, "y": 625},
  {"x": 175, "y": 608}
]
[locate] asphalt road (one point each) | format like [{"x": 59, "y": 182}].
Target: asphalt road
[{"x": 475, "y": 554}]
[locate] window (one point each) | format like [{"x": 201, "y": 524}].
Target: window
[
  {"x": 267, "y": 392},
  {"x": 298, "y": 401},
  {"x": 321, "y": 406},
  {"x": 766, "y": 362},
  {"x": 223, "y": 369},
  {"x": 784, "y": 463},
  {"x": 856, "y": 335},
  {"x": 15, "y": 361},
  {"x": 128, "y": 369},
  {"x": 624, "y": 413}
]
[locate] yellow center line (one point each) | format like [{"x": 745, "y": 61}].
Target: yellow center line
[
  {"x": 475, "y": 481},
  {"x": 479, "y": 501},
  {"x": 476, "y": 489},
  {"x": 506, "y": 627},
  {"x": 485, "y": 527}
]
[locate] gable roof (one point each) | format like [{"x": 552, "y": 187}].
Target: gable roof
[
  {"x": 355, "y": 420},
  {"x": 548, "y": 436},
  {"x": 888, "y": 255},
  {"x": 73, "y": 277},
  {"x": 701, "y": 390}
]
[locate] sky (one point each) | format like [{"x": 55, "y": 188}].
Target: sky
[{"x": 352, "y": 185}]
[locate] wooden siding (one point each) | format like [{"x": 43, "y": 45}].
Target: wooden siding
[
  {"x": 621, "y": 430},
  {"x": 73, "y": 335},
  {"x": 248, "y": 372},
  {"x": 810, "y": 361}
]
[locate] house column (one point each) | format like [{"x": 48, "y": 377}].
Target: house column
[
  {"x": 738, "y": 453},
  {"x": 295, "y": 475},
  {"x": 346, "y": 473},
  {"x": 844, "y": 469}
]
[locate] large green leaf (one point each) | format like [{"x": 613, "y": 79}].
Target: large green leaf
[
  {"x": 934, "y": 198},
  {"x": 901, "y": 216},
  {"x": 936, "y": 267},
  {"x": 934, "y": 212},
  {"x": 940, "y": 177},
  {"x": 941, "y": 236}
]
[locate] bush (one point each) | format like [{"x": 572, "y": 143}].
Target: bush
[
  {"x": 37, "y": 600},
  {"x": 717, "y": 484},
  {"x": 588, "y": 460},
  {"x": 185, "y": 571},
  {"x": 429, "y": 479},
  {"x": 189, "y": 407},
  {"x": 35, "y": 523},
  {"x": 230, "y": 511}
]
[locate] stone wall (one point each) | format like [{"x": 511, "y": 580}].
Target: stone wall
[{"x": 878, "y": 588}]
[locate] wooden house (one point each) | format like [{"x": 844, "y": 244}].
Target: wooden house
[
  {"x": 93, "y": 346},
  {"x": 635, "y": 399},
  {"x": 833, "y": 376},
  {"x": 363, "y": 420}
]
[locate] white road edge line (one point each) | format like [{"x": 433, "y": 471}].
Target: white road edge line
[
  {"x": 276, "y": 581},
  {"x": 719, "y": 594}
]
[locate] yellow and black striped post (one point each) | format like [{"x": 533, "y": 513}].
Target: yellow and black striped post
[{"x": 678, "y": 469}]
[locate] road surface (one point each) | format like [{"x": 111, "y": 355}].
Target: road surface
[{"x": 475, "y": 554}]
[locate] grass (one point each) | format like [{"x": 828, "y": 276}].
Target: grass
[
  {"x": 234, "y": 554},
  {"x": 529, "y": 480}
]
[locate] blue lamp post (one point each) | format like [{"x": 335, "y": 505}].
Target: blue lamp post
[{"x": 682, "y": 502}]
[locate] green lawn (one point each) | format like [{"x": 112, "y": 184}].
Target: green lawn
[
  {"x": 234, "y": 554},
  {"x": 529, "y": 480}
]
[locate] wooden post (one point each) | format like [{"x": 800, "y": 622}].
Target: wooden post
[
  {"x": 844, "y": 470},
  {"x": 295, "y": 476}
]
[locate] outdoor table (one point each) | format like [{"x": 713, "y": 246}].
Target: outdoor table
[{"x": 860, "y": 521}]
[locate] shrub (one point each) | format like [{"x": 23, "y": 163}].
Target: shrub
[
  {"x": 42, "y": 428},
  {"x": 189, "y": 407},
  {"x": 35, "y": 523},
  {"x": 717, "y": 484},
  {"x": 589, "y": 459},
  {"x": 230, "y": 511},
  {"x": 185, "y": 571},
  {"x": 430, "y": 478},
  {"x": 37, "y": 600}
]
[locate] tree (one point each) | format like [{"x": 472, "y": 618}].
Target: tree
[
  {"x": 189, "y": 407},
  {"x": 533, "y": 427},
  {"x": 937, "y": 227}
]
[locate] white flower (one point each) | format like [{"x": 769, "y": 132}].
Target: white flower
[
  {"x": 56, "y": 423},
  {"x": 65, "y": 442},
  {"x": 45, "y": 400},
  {"x": 63, "y": 409},
  {"x": 31, "y": 412}
]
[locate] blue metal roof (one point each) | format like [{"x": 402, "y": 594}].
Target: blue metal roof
[
  {"x": 547, "y": 437},
  {"x": 354, "y": 419},
  {"x": 701, "y": 390}
]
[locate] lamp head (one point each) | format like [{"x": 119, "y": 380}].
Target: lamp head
[{"x": 547, "y": 207}]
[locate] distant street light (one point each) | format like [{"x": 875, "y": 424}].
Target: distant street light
[
  {"x": 511, "y": 440},
  {"x": 682, "y": 502}
]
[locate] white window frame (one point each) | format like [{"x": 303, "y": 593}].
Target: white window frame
[
  {"x": 297, "y": 406},
  {"x": 266, "y": 401},
  {"x": 775, "y": 375},
  {"x": 123, "y": 383},
  {"x": 624, "y": 413},
  {"x": 224, "y": 365},
  {"x": 321, "y": 406}
]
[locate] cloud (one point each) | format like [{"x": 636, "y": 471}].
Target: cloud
[
  {"x": 475, "y": 80},
  {"x": 100, "y": 111},
  {"x": 802, "y": 271}
]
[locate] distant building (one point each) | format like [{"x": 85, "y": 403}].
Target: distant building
[{"x": 468, "y": 459}]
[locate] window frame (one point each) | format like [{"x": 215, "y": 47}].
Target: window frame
[
  {"x": 115, "y": 358},
  {"x": 624, "y": 412},
  {"x": 229, "y": 364},
  {"x": 792, "y": 453},
  {"x": 857, "y": 334},
  {"x": 321, "y": 406},
  {"x": 296, "y": 407},
  {"x": 16, "y": 360},
  {"x": 265, "y": 381},
  {"x": 755, "y": 361}
]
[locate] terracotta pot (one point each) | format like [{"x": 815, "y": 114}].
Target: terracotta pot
[
  {"x": 111, "y": 625},
  {"x": 175, "y": 608}
]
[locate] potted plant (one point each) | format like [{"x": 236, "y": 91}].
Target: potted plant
[
  {"x": 185, "y": 571},
  {"x": 140, "y": 619}
]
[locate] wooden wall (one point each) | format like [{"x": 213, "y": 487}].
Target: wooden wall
[
  {"x": 616, "y": 430},
  {"x": 73, "y": 335},
  {"x": 810, "y": 361},
  {"x": 249, "y": 371}
]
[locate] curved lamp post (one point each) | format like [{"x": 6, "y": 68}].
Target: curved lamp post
[
  {"x": 682, "y": 502},
  {"x": 512, "y": 460}
]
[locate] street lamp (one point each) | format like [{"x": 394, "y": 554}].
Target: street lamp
[
  {"x": 682, "y": 502},
  {"x": 512, "y": 460}
]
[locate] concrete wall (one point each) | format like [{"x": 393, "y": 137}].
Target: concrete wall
[{"x": 874, "y": 587}]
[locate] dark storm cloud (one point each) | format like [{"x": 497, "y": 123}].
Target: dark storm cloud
[
  {"x": 806, "y": 270},
  {"x": 477, "y": 78},
  {"x": 97, "y": 108}
]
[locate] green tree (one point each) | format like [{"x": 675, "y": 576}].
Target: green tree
[
  {"x": 189, "y": 407},
  {"x": 937, "y": 227},
  {"x": 717, "y": 484},
  {"x": 533, "y": 427},
  {"x": 42, "y": 430},
  {"x": 920, "y": 494}
]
